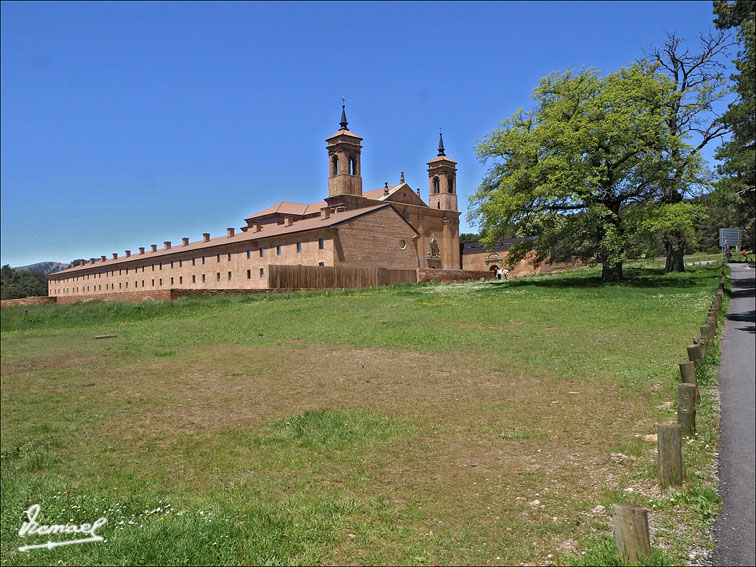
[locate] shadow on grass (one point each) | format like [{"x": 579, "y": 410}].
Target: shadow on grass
[{"x": 633, "y": 277}]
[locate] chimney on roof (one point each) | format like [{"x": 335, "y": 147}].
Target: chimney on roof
[
  {"x": 167, "y": 244},
  {"x": 205, "y": 236},
  {"x": 154, "y": 247},
  {"x": 288, "y": 220},
  {"x": 128, "y": 253},
  {"x": 91, "y": 260},
  {"x": 229, "y": 232},
  {"x": 115, "y": 255},
  {"x": 185, "y": 241},
  {"x": 141, "y": 249},
  {"x": 103, "y": 258},
  {"x": 325, "y": 213},
  {"x": 257, "y": 227}
]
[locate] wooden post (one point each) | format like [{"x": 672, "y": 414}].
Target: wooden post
[
  {"x": 707, "y": 331},
  {"x": 669, "y": 458},
  {"x": 688, "y": 376},
  {"x": 712, "y": 321},
  {"x": 695, "y": 354},
  {"x": 631, "y": 533},
  {"x": 686, "y": 408}
]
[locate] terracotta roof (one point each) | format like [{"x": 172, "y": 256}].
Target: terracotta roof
[
  {"x": 289, "y": 208},
  {"x": 378, "y": 195},
  {"x": 347, "y": 132},
  {"x": 268, "y": 231},
  {"x": 441, "y": 158}
]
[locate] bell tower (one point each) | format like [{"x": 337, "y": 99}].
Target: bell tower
[
  {"x": 344, "y": 177},
  {"x": 442, "y": 180}
]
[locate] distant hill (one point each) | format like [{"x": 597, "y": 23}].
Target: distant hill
[{"x": 44, "y": 267}]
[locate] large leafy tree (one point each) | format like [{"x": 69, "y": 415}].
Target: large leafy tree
[
  {"x": 568, "y": 171},
  {"x": 21, "y": 283},
  {"x": 691, "y": 114},
  {"x": 737, "y": 187}
]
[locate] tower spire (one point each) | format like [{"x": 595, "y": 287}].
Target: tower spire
[
  {"x": 441, "y": 150},
  {"x": 343, "y": 122}
]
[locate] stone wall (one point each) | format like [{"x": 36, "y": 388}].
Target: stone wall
[{"x": 31, "y": 300}]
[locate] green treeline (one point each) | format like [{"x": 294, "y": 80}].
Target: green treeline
[{"x": 21, "y": 283}]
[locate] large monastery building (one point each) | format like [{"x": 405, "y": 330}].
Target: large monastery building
[{"x": 390, "y": 227}]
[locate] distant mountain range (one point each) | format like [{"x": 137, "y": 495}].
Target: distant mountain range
[{"x": 44, "y": 267}]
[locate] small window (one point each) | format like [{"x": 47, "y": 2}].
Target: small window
[
  {"x": 119, "y": 285},
  {"x": 261, "y": 252},
  {"x": 153, "y": 283},
  {"x": 217, "y": 276},
  {"x": 203, "y": 262},
  {"x": 262, "y": 272},
  {"x": 249, "y": 254},
  {"x": 229, "y": 256},
  {"x": 451, "y": 185},
  {"x": 153, "y": 267},
  {"x": 335, "y": 165},
  {"x": 142, "y": 283},
  {"x": 321, "y": 243},
  {"x": 181, "y": 263},
  {"x": 171, "y": 264},
  {"x": 194, "y": 279},
  {"x": 193, "y": 262},
  {"x": 402, "y": 244},
  {"x": 160, "y": 282},
  {"x": 299, "y": 246},
  {"x": 119, "y": 272},
  {"x": 181, "y": 280},
  {"x": 229, "y": 276},
  {"x": 127, "y": 273},
  {"x": 436, "y": 185},
  {"x": 171, "y": 280},
  {"x": 278, "y": 250},
  {"x": 203, "y": 278},
  {"x": 219, "y": 258},
  {"x": 321, "y": 263},
  {"x": 249, "y": 274}
]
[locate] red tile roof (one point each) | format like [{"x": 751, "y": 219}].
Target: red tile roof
[{"x": 289, "y": 208}]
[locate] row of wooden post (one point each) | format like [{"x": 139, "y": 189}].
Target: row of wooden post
[{"x": 631, "y": 535}]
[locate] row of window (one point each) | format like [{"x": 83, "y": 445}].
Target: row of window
[{"x": 261, "y": 252}]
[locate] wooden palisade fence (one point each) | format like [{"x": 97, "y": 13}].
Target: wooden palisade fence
[{"x": 333, "y": 277}]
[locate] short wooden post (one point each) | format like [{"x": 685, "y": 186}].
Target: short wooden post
[
  {"x": 686, "y": 408},
  {"x": 695, "y": 354},
  {"x": 688, "y": 376},
  {"x": 631, "y": 533},
  {"x": 707, "y": 331},
  {"x": 712, "y": 321},
  {"x": 669, "y": 458}
]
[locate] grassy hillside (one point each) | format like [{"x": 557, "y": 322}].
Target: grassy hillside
[{"x": 477, "y": 423}]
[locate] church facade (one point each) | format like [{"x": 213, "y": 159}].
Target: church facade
[{"x": 390, "y": 227}]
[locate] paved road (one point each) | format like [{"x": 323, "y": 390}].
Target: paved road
[{"x": 735, "y": 527}]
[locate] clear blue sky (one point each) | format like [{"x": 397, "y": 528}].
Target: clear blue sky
[{"x": 126, "y": 124}]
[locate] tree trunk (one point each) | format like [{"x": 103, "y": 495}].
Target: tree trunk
[
  {"x": 675, "y": 244},
  {"x": 611, "y": 273}
]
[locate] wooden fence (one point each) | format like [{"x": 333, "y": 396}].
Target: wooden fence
[{"x": 331, "y": 277}]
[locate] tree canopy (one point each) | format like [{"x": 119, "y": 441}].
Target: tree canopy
[
  {"x": 569, "y": 171},
  {"x": 737, "y": 188},
  {"x": 21, "y": 283}
]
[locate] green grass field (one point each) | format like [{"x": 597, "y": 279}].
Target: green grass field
[{"x": 476, "y": 423}]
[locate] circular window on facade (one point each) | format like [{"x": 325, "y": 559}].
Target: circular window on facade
[{"x": 402, "y": 244}]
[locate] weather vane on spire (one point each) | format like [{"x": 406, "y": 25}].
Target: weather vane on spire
[{"x": 343, "y": 122}]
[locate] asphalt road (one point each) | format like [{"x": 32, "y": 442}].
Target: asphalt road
[{"x": 735, "y": 527}]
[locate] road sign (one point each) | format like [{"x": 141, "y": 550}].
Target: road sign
[{"x": 729, "y": 237}]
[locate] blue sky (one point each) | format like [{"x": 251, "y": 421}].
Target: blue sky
[{"x": 126, "y": 124}]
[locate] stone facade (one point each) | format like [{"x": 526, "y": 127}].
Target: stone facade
[
  {"x": 390, "y": 227},
  {"x": 476, "y": 257}
]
